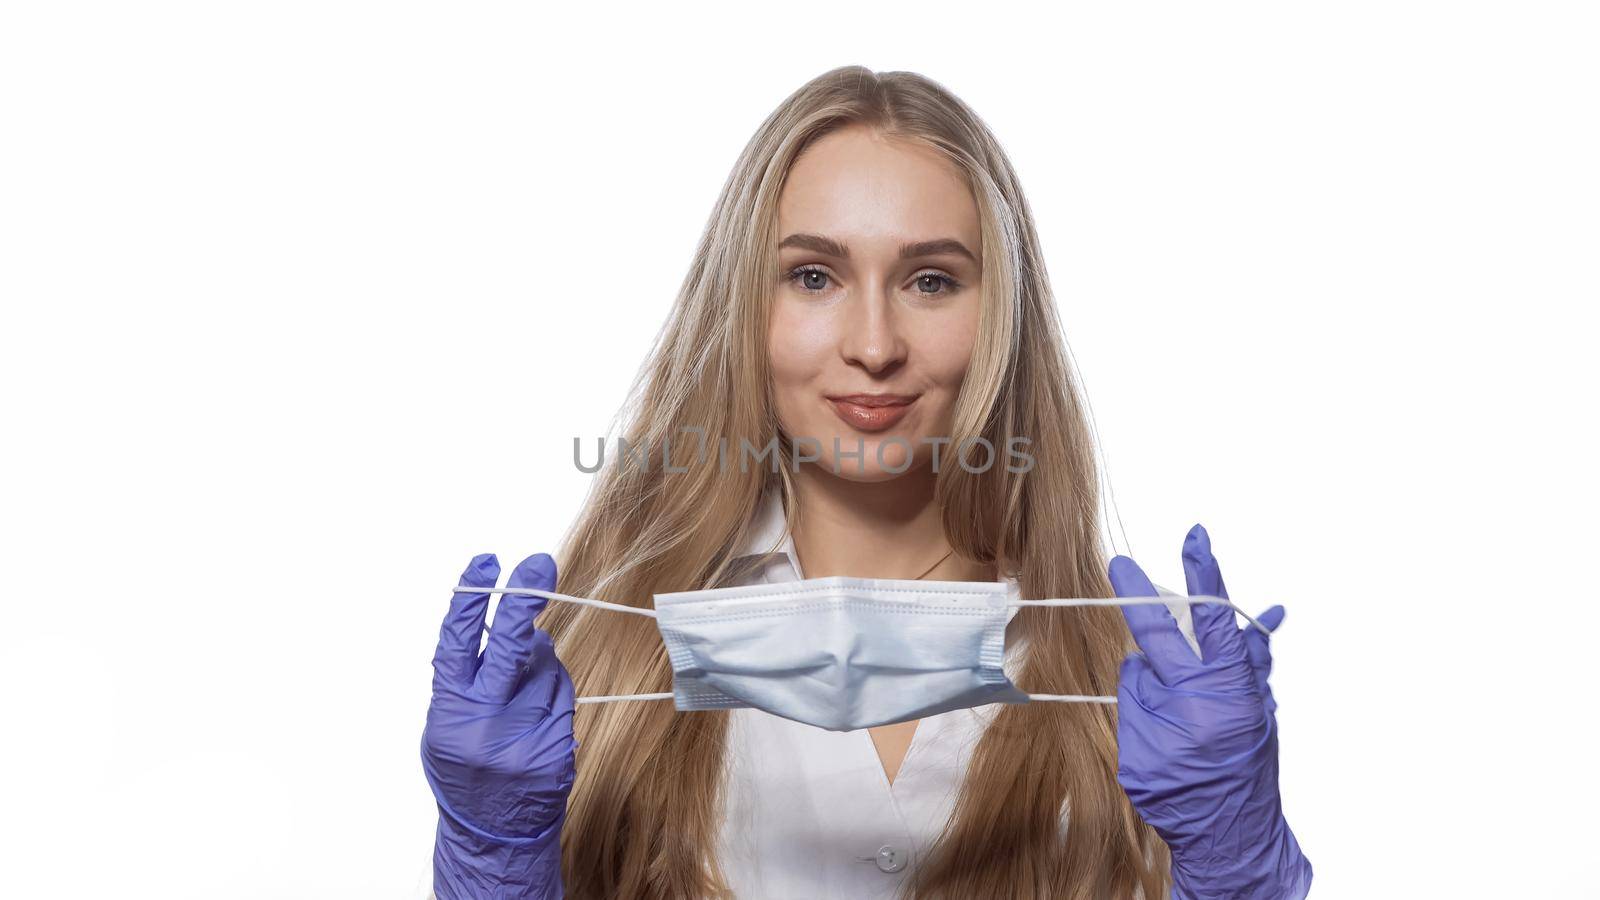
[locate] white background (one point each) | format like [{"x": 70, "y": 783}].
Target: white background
[{"x": 304, "y": 303}]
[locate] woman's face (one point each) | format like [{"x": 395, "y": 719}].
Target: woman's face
[{"x": 876, "y": 307}]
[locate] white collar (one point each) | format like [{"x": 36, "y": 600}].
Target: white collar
[
  {"x": 768, "y": 536},
  {"x": 769, "y": 531}
]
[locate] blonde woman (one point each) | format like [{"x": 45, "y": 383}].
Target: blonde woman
[{"x": 863, "y": 377}]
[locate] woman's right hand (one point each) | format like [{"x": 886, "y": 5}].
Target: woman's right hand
[{"x": 498, "y": 746}]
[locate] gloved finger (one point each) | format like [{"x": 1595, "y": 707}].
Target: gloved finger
[
  {"x": 541, "y": 673},
  {"x": 563, "y": 701},
  {"x": 1128, "y": 580},
  {"x": 1201, "y": 573},
  {"x": 556, "y": 691},
  {"x": 1258, "y": 647},
  {"x": 1133, "y": 701},
  {"x": 511, "y": 635},
  {"x": 547, "y": 687},
  {"x": 1214, "y": 625},
  {"x": 1132, "y": 674},
  {"x": 455, "y": 659},
  {"x": 1152, "y": 625}
]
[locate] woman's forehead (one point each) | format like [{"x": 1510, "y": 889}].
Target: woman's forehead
[{"x": 857, "y": 187}]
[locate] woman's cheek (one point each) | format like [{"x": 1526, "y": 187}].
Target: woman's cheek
[
  {"x": 947, "y": 353},
  {"x": 796, "y": 348},
  {"x": 800, "y": 343}
]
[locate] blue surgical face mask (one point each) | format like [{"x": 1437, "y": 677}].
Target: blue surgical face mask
[
  {"x": 839, "y": 653},
  {"x": 842, "y": 653}
]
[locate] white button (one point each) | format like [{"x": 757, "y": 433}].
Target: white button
[{"x": 890, "y": 859}]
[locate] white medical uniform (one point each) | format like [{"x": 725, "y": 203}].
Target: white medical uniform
[{"x": 809, "y": 812}]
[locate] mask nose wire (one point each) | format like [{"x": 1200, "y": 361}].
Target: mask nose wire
[{"x": 1144, "y": 601}]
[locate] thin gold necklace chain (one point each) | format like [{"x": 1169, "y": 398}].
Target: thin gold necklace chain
[{"x": 935, "y": 565}]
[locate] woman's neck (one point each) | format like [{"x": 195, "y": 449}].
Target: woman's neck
[{"x": 884, "y": 529}]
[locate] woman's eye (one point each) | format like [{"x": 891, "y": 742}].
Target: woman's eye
[
  {"x": 809, "y": 279},
  {"x": 936, "y": 281},
  {"x": 813, "y": 280}
]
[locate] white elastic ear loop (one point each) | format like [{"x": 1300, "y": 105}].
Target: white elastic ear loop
[
  {"x": 581, "y": 601},
  {"x": 1144, "y": 601},
  {"x": 1125, "y": 601},
  {"x": 552, "y": 595}
]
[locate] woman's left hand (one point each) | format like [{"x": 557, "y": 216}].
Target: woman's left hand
[{"x": 1197, "y": 739}]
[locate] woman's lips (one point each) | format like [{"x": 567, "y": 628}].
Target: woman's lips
[{"x": 872, "y": 412}]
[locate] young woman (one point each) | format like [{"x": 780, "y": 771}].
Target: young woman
[{"x": 869, "y": 299}]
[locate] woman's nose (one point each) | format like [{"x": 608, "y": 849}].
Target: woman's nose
[{"x": 872, "y": 337}]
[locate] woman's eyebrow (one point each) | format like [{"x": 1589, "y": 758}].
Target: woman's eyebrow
[
  {"x": 816, "y": 243},
  {"x": 936, "y": 248},
  {"x": 826, "y": 245}
]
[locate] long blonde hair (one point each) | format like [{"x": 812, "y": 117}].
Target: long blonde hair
[{"x": 1040, "y": 813}]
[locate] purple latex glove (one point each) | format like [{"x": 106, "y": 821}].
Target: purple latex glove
[
  {"x": 498, "y": 747},
  {"x": 1197, "y": 740}
]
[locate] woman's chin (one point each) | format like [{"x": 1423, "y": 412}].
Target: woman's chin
[{"x": 869, "y": 472}]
